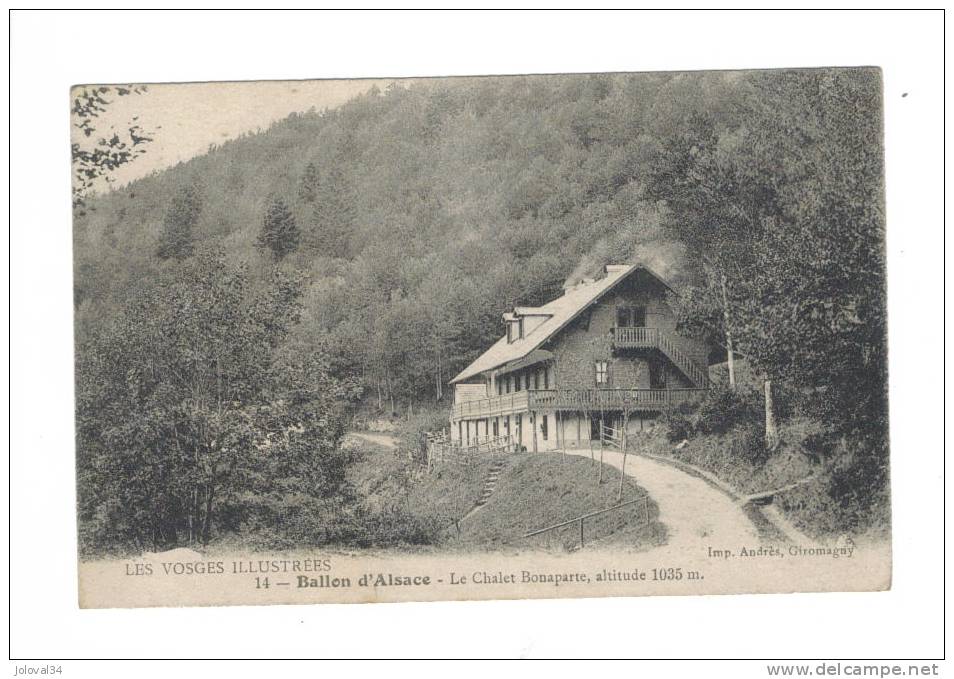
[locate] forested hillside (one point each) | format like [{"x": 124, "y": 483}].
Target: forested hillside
[
  {"x": 396, "y": 229},
  {"x": 423, "y": 211}
]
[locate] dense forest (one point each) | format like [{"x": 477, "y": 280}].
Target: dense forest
[{"x": 370, "y": 250}]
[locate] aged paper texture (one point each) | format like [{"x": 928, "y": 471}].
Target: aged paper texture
[{"x": 472, "y": 338}]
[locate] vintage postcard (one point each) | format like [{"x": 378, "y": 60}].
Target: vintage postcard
[{"x": 480, "y": 338}]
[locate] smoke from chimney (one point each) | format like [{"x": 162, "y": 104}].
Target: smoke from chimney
[{"x": 665, "y": 257}]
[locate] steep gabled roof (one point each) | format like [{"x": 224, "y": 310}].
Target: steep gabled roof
[{"x": 560, "y": 311}]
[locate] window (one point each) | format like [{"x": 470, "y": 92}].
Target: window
[
  {"x": 624, "y": 317},
  {"x": 543, "y": 427},
  {"x": 516, "y": 382},
  {"x": 536, "y": 380},
  {"x": 639, "y": 317},
  {"x": 631, "y": 317},
  {"x": 507, "y": 425},
  {"x": 546, "y": 378},
  {"x": 514, "y": 330},
  {"x": 496, "y": 427},
  {"x": 602, "y": 373},
  {"x": 507, "y": 385},
  {"x": 499, "y": 387}
]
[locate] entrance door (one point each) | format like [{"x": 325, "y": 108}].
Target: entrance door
[
  {"x": 595, "y": 426},
  {"x": 639, "y": 317}
]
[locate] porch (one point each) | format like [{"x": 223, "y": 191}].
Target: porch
[{"x": 632, "y": 400}]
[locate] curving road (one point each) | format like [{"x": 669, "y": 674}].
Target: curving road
[
  {"x": 693, "y": 511},
  {"x": 385, "y": 440}
]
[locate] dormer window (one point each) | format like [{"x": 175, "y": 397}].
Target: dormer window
[{"x": 514, "y": 330}]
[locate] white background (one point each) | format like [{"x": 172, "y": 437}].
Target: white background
[{"x": 51, "y": 51}]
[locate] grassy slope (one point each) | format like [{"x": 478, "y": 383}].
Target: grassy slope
[
  {"x": 714, "y": 454},
  {"x": 535, "y": 491},
  {"x": 807, "y": 506}
]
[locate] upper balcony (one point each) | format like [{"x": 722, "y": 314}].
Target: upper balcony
[
  {"x": 654, "y": 338},
  {"x": 635, "y": 338}
]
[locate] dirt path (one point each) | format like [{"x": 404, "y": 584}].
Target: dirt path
[
  {"x": 694, "y": 512},
  {"x": 385, "y": 440}
]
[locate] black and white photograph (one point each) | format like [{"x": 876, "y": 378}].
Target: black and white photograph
[
  {"x": 602, "y": 318},
  {"x": 543, "y": 334}
]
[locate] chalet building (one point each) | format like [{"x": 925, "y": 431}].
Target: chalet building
[{"x": 606, "y": 351}]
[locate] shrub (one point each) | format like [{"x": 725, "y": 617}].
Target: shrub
[
  {"x": 678, "y": 423},
  {"x": 412, "y": 432},
  {"x": 723, "y": 408},
  {"x": 852, "y": 497},
  {"x": 392, "y": 526},
  {"x": 293, "y": 520},
  {"x": 748, "y": 444},
  {"x": 678, "y": 427},
  {"x": 820, "y": 445},
  {"x": 786, "y": 400}
]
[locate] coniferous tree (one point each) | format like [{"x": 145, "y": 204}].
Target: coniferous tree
[
  {"x": 176, "y": 239},
  {"x": 308, "y": 184},
  {"x": 280, "y": 233},
  {"x": 334, "y": 215}
]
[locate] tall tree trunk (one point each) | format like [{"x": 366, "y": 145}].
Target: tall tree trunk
[
  {"x": 730, "y": 356},
  {"x": 207, "y": 527},
  {"x": 440, "y": 377},
  {"x": 771, "y": 430},
  {"x": 387, "y": 378}
]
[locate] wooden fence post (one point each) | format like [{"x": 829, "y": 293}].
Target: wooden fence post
[
  {"x": 600, "y": 479},
  {"x": 623, "y": 444},
  {"x": 589, "y": 423},
  {"x": 581, "y": 532}
]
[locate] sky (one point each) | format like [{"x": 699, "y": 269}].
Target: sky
[{"x": 186, "y": 118}]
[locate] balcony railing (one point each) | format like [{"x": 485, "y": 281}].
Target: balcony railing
[
  {"x": 491, "y": 407},
  {"x": 612, "y": 399},
  {"x": 575, "y": 399},
  {"x": 636, "y": 338},
  {"x": 653, "y": 338}
]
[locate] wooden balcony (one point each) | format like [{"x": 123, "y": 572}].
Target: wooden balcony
[
  {"x": 633, "y": 400},
  {"x": 653, "y": 338},
  {"x": 636, "y": 338},
  {"x": 517, "y": 402}
]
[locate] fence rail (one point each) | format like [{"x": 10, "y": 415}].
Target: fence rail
[
  {"x": 643, "y": 501},
  {"x": 440, "y": 449}
]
